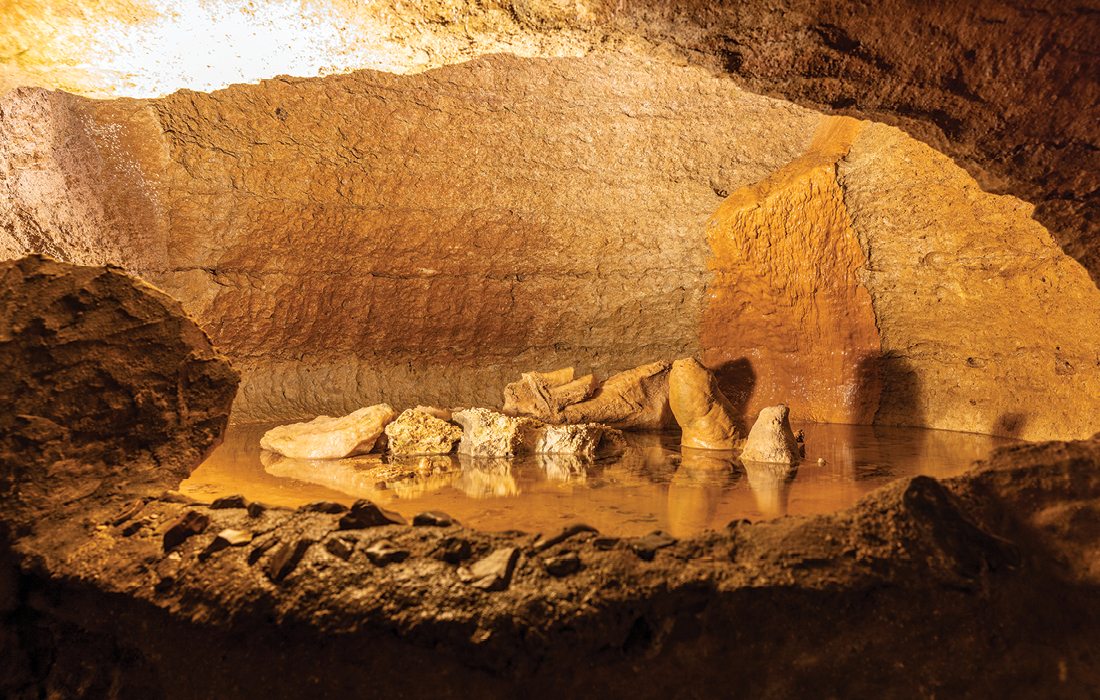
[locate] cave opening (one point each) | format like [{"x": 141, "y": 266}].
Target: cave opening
[{"x": 324, "y": 321}]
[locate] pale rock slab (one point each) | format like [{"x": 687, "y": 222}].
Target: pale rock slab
[
  {"x": 416, "y": 432},
  {"x": 702, "y": 410},
  {"x": 771, "y": 439},
  {"x": 587, "y": 440},
  {"x": 487, "y": 433},
  {"x": 636, "y": 399},
  {"x": 325, "y": 437}
]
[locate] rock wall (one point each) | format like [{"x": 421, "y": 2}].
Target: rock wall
[
  {"x": 1008, "y": 88},
  {"x": 425, "y": 238}
]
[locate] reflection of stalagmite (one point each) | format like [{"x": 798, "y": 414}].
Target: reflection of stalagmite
[
  {"x": 696, "y": 488},
  {"x": 367, "y": 477},
  {"x": 771, "y": 486},
  {"x": 486, "y": 477}
]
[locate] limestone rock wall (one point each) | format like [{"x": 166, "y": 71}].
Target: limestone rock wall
[
  {"x": 425, "y": 238},
  {"x": 1008, "y": 88}
]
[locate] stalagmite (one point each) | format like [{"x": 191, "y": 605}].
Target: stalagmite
[
  {"x": 701, "y": 409},
  {"x": 771, "y": 439}
]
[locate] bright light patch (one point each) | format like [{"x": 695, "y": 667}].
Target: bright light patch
[{"x": 210, "y": 45}]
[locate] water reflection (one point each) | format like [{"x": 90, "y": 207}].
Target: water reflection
[
  {"x": 652, "y": 485},
  {"x": 696, "y": 489},
  {"x": 771, "y": 486}
]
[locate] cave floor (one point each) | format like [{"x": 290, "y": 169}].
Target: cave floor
[{"x": 653, "y": 485}]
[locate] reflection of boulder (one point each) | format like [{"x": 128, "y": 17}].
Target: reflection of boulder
[
  {"x": 486, "y": 477},
  {"x": 771, "y": 485},
  {"x": 771, "y": 438},
  {"x": 368, "y": 476},
  {"x": 636, "y": 399},
  {"x": 696, "y": 488},
  {"x": 564, "y": 468},
  {"x": 325, "y": 437},
  {"x": 705, "y": 416}
]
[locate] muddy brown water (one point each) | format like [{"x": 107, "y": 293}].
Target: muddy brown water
[{"x": 653, "y": 485}]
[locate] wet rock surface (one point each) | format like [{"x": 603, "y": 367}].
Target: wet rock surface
[{"x": 707, "y": 419}]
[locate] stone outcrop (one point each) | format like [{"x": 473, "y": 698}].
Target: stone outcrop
[
  {"x": 860, "y": 298},
  {"x": 99, "y": 369},
  {"x": 586, "y": 440},
  {"x": 487, "y": 433},
  {"x": 706, "y": 418},
  {"x": 326, "y": 437},
  {"x": 636, "y": 399},
  {"x": 543, "y": 395},
  {"x": 771, "y": 439},
  {"x": 417, "y": 432}
]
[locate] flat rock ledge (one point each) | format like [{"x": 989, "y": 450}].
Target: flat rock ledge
[{"x": 127, "y": 591}]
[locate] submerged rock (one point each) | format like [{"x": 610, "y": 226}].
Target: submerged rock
[
  {"x": 543, "y": 395},
  {"x": 700, "y": 407},
  {"x": 325, "y": 437},
  {"x": 636, "y": 399},
  {"x": 771, "y": 438},
  {"x": 417, "y": 432}
]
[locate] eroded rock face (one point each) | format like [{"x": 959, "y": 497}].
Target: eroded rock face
[
  {"x": 326, "y": 437},
  {"x": 771, "y": 439},
  {"x": 707, "y": 419},
  {"x": 99, "y": 369},
  {"x": 587, "y": 440},
  {"x": 417, "y": 432}
]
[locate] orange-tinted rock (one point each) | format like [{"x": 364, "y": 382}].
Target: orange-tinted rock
[
  {"x": 986, "y": 325},
  {"x": 543, "y": 395},
  {"x": 787, "y": 316},
  {"x": 706, "y": 418}
]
